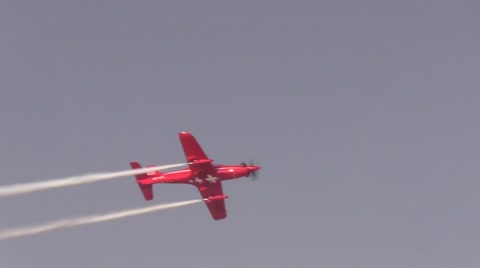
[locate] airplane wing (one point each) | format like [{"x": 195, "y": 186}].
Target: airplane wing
[
  {"x": 197, "y": 160},
  {"x": 208, "y": 184},
  {"x": 216, "y": 207}
]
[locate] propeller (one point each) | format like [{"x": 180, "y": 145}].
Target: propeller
[{"x": 253, "y": 173}]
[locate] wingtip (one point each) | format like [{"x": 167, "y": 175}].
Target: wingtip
[{"x": 184, "y": 134}]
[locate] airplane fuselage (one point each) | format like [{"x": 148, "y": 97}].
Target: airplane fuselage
[{"x": 185, "y": 176}]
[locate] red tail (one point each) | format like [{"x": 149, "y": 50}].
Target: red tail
[{"x": 146, "y": 189}]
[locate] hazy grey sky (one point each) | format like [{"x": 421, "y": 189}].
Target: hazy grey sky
[{"x": 364, "y": 116}]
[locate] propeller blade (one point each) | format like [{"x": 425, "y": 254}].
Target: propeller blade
[{"x": 252, "y": 174}]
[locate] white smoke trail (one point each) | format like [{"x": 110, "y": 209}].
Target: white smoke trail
[
  {"x": 72, "y": 222},
  {"x": 29, "y": 187}
]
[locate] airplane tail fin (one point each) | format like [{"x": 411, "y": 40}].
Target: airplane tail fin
[{"x": 146, "y": 189}]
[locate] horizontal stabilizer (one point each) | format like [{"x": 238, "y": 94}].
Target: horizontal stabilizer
[{"x": 147, "y": 191}]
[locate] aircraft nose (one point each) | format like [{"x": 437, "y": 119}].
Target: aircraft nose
[{"x": 254, "y": 168}]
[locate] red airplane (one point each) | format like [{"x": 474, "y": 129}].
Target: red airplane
[{"x": 201, "y": 173}]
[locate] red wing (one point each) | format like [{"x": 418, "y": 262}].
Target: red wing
[
  {"x": 191, "y": 148},
  {"x": 216, "y": 207},
  {"x": 194, "y": 153},
  {"x": 202, "y": 168}
]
